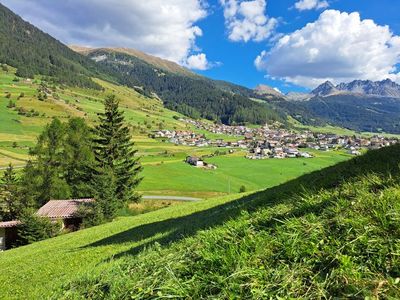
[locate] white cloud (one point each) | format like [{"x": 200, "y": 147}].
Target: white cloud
[
  {"x": 198, "y": 62},
  {"x": 311, "y": 4},
  {"x": 163, "y": 28},
  {"x": 246, "y": 20},
  {"x": 339, "y": 47}
]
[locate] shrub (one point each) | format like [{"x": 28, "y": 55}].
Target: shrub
[
  {"x": 35, "y": 228},
  {"x": 11, "y": 104},
  {"x": 242, "y": 189}
]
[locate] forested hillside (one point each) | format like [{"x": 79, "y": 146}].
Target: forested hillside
[
  {"x": 361, "y": 113},
  {"x": 193, "y": 96},
  {"x": 34, "y": 52}
]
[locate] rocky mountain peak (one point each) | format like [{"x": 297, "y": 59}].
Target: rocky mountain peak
[{"x": 324, "y": 89}]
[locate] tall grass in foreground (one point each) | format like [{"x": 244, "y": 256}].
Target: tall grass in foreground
[{"x": 330, "y": 234}]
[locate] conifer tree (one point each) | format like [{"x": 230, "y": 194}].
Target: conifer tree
[
  {"x": 9, "y": 201},
  {"x": 78, "y": 158},
  {"x": 115, "y": 156},
  {"x": 63, "y": 164}
]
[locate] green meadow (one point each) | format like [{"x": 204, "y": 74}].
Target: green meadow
[{"x": 233, "y": 171}]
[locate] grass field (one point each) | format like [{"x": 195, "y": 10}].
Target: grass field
[
  {"x": 233, "y": 171},
  {"x": 245, "y": 236}
]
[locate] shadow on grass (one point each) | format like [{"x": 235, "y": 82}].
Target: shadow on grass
[{"x": 382, "y": 162}]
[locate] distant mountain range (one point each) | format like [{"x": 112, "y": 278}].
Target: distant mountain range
[
  {"x": 384, "y": 88},
  {"x": 362, "y": 105}
]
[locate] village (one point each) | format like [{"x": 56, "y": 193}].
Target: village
[{"x": 272, "y": 142}]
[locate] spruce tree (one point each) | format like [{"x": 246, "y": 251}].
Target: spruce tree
[
  {"x": 9, "y": 201},
  {"x": 78, "y": 158},
  {"x": 115, "y": 157}
]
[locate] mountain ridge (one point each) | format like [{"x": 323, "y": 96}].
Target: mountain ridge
[
  {"x": 151, "y": 59},
  {"x": 383, "y": 88}
]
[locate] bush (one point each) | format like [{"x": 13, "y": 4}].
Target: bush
[
  {"x": 11, "y": 104},
  {"x": 91, "y": 215},
  {"x": 242, "y": 189},
  {"x": 35, "y": 228}
]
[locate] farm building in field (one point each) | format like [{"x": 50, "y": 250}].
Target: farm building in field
[
  {"x": 65, "y": 211},
  {"x": 195, "y": 161},
  {"x": 8, "y": 234}
]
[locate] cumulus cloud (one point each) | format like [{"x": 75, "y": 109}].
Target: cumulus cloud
[
  {"x": 198, "y": 62},
  {"x": 311, "y": 4},
  {"x": 163, "y": 28},
  {"x": 339, "y": 47},
  {"x": 246, "y": 20}
]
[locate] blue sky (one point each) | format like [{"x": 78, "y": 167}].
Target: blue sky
[
  {"x": 238, "y": 58},
  {"x": 247, "y": 42}
]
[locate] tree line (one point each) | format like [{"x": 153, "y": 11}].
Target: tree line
[{"x": 73, "y": 160}]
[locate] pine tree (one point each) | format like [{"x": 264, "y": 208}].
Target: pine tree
[
  {"x": 115, "y": 155},
  {"x": 9, "y": 201}
]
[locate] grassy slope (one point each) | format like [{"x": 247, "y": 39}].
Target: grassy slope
[
  {"x": 330, "y": 234},
  {"x": 289, "y": 223}
]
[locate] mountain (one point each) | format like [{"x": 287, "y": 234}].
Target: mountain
[
  {"x": 327, "y": 88},
  {"x": 150, "y": 59},
  {"x": 266, "y": 90},
  {"x": 33, "y": 52},
  {"x": 362, "y": 113},
  {"x": 361, "y": 105},
  {"x": 384, "y": 88},
  {"x": 297, "y": 96},
  {"x": 183, "y": 91}
]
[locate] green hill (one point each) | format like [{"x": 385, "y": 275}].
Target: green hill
[
  {"x": 193, "y": 96},
  {"x": 33, "y": 52},
  {"x": 331, "y": 233}
]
